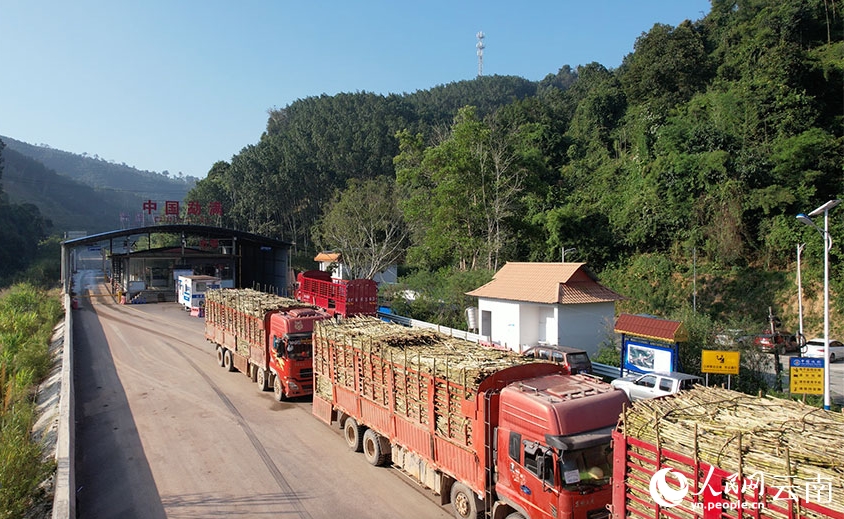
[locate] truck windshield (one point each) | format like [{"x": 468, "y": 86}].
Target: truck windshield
[
  {"x": 298, "y": 348},
  {"x": 591, "y": 466}
]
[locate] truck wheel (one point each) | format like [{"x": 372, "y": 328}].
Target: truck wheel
[
  {"x": 354, "y": 434},
  {"x": 278, "y": 390},
  {"x": 227, "y": 360},
  {"x": 376, "y": 448},
  {"x": 220, "y": 355},
  {"x": 515, "y": 515},
  {"x": 463, "y": 502},
  {"x": 261, "y": 379}
]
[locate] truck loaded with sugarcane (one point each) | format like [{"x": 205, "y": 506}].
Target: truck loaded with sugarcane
[
  {"x": 488, "y": 430},
  {"x": 264, "y": 336},
  {"x": 714, "y": 453},
  {"x": 338, "y": 297}
]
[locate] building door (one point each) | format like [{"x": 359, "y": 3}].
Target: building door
[
  {"x": 486, "y": 323},
  {"x": 546, "y": 325}
]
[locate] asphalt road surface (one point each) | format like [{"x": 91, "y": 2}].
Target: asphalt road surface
[{"x": 163, "y": 431}]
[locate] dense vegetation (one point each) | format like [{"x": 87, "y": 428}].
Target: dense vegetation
[
  {"x": 680, "y": 171},
  {"x": 27, "y": 317},
  {"x": 23, "y": 233}
]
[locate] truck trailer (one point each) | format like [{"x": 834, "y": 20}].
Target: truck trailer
[
  {"x": 338, "y": 297},
  {"x": 488, "y": 430},
  {"x": 264, "y": 336},
  {"x": 711, "y": 453}
]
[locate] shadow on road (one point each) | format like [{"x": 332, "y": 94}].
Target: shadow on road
[{"x": 112, "y": 473}]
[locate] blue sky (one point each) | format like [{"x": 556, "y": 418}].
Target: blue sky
[{"x": 178, "y": 85}]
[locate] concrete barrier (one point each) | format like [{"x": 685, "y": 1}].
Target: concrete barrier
[{"x": 64, "y": 498}]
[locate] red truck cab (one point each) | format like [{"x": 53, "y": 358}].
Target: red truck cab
[
  {"x": 290, "y": 357},
  {"x": 553, "y": 450}
]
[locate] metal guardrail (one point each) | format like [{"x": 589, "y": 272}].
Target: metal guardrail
[
  {"x": 604, "y": 370},
  {"x": 413, "y": 323}
]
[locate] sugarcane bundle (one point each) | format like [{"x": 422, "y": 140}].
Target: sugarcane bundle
[
  {"x": 422, "y": 350},
  {"x": 451, "y": 422},
  {"x": 409, "y": 357},
  {"x": 789, "y": 443},
  {"x": 250, "y": 302},
  {"x": 411, "y": 395},
  {"x": 322, "y": 386},
  {"x": 242, "y": 311}
]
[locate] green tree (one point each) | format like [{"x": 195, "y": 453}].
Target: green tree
[
  {"x": 462, "y": 192},
  {"x": 365, "y": 226},
  {"x": 213, "y": 188},
  {"x": 669, "y": 66}
]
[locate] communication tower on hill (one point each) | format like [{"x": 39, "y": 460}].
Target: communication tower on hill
[{"x": 480, "y": 46}]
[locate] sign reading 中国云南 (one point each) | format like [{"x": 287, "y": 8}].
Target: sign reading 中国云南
[{"x": 806, "y": 375}]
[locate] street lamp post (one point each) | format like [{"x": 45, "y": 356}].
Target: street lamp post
[
  {"x": 565, "y": 250},
  {"x": 800, "y": 290},
  {"x": 827, "y": 246}
]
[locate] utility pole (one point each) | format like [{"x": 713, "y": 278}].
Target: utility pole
[{"x": 480, "y": 46}]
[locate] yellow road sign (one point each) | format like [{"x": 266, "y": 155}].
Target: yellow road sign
[{"x": 717, "y": 361}]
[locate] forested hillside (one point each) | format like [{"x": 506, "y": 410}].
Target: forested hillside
[
  {"x": 22, "y": 227},
  {"x": 66, "y": 203},
  {"x": 103, "y": 175},
  {"x": 705, "y": 143}
]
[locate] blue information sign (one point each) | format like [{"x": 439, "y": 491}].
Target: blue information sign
[{"x": 803, "y": 362}]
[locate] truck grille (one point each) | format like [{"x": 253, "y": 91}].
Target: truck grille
[
  {"x": 598, "y": 513},
  {"x": 307, "y": 373}
]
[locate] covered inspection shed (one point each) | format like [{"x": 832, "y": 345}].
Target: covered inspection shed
[{"x": 138, "y": 271}]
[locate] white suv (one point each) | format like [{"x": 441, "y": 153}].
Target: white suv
[{"x": 651, "y": 385}]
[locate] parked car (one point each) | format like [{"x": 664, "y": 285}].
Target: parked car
[
  {"x": 575, "y": 360},
  {"x": 656, "y": 384},
  {"x": 732, "y": 338},
  {"x": 814, "y": 349},
  {"x": 780, "y": 342}
]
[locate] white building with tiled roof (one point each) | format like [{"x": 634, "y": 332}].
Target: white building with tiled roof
[
  {"x": 527, "y": 304},
  {"x": 332, "y": 262}
]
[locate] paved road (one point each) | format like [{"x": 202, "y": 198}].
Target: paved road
[{"x": 162, "y": 431}]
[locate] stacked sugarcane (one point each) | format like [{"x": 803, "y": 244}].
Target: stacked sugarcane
[
  {"x": 409, "y": 356},
  {"x": 788, "y": 443},
  {"x": 241, "y": 311}
]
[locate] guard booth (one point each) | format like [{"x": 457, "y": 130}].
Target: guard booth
[
  {"x": 649, "y": 343},
  {"x": 192, "y": 291}
]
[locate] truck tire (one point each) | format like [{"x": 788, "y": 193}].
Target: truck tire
[
  {"x": 376, "y": 448},
  {"x": 353, "y": 434},
  {"x": 220, "y": 355},
  {"x": 278, "y": 389},
  {"x": 227, "y": 360},
  {"x": 463, "y": 502},
  {"x": 261, "y": 378},
  {"x": 515, "y": 515}
]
